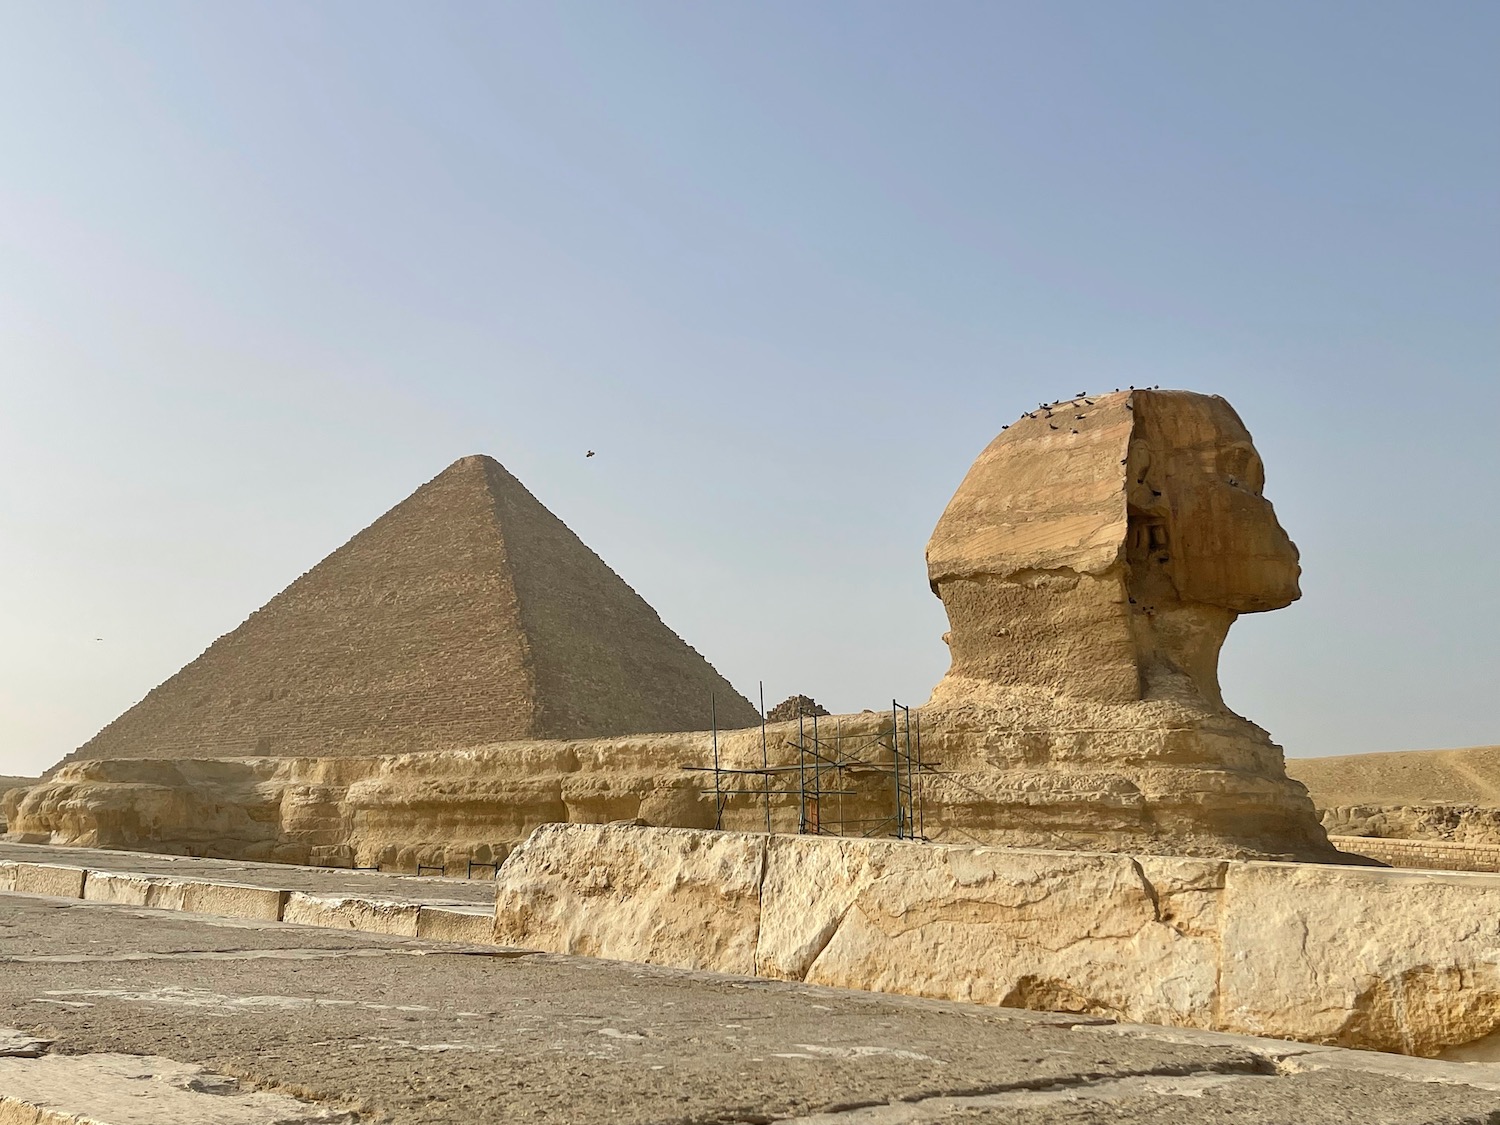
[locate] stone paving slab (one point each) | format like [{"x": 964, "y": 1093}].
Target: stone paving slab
[{"x": 413, "y": 1032}]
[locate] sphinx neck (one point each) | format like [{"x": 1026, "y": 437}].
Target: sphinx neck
[{"x": 1107, "y": 637}]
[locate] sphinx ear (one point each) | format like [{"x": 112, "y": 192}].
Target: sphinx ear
[
  {"x": 1138, "y": 458},
  {"x": 1241, "y": 466}
]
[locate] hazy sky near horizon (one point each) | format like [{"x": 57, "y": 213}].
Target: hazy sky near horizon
[{"x": 787, "y": 267}]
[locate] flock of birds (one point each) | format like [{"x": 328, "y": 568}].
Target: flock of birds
[
  {"x": 1045, "y": 409},
  {"x": 1078, "y": 401}
]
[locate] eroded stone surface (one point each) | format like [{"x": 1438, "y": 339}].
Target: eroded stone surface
[
  {"x": 673, "y": 897},
  {"x": 1044, "y": 930},
  {"x": 474, "y": 925},
  {"x": 1362, "y": 957},
  {"x": 1151, "y": 777},
  {"x": 48, "y": 879},
  {"x": 1403, "y": 960}
]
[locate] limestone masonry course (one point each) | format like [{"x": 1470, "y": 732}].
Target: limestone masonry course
[{"x": 466, "y": 614}]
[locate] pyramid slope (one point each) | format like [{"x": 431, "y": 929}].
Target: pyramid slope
[
  {"x": 414, "y": 636},
  {"x": 603, "y": 660}
]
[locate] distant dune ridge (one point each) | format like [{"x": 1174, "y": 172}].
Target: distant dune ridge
[{"x": 1468, "y": 776}]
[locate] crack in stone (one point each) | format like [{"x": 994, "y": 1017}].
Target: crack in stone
[
  {"x": 1186, "y": 1081},
  {"x": 1148, "y": 887}
]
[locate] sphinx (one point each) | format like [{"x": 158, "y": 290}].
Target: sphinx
[{"x": 1091, "y": 563}]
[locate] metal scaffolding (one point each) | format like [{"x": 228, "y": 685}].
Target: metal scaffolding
[{"x": 846, "y": 783}]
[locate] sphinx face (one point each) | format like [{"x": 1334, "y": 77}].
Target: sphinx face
[{"x": 1195, "y": 497}]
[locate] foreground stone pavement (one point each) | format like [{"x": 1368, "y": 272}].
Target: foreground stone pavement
[{"x": 354, "y": 1026}]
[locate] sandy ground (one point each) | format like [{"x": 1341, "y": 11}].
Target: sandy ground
[{"x": 1411, "y": 777}]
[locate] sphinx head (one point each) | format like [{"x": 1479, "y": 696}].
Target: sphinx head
[{"x": 1102, "y": 548}]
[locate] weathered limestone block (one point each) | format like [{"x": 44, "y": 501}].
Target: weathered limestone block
[
  {"x": 54, "y": 879},
  {"x": 673, "y": 897},
  {"x": 1359, "y": 957},
  {"x": 196, "y": 896},
  {"x": 1401, "y": 960},
  {"x": 1061, "y": 931},
  {"x": 234, "y": 900},
  {"x": 447, "y": 923},
  {"x": 130, "y": 889},
  {"x": 368, "y": 915}
]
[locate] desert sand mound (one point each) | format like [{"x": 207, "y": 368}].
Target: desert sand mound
[
  {"x": 1410, "y": 777},
  {"x": 8, "y": 782}
]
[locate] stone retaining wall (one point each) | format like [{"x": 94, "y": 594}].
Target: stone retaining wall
[
  {"x": 1393, "y": 960},
  {"x": 1441, "y": 855}
]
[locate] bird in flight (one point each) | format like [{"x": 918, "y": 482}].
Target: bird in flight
[{"x": 590, "y": 453}]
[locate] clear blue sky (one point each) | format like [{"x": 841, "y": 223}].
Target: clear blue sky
[{"x": 265, "y": 268}]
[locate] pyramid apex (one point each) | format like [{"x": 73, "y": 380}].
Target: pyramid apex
[{"x": 474, "y": 461}]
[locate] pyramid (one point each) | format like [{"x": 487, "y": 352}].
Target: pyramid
[{"x": 466, "y": 614}]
